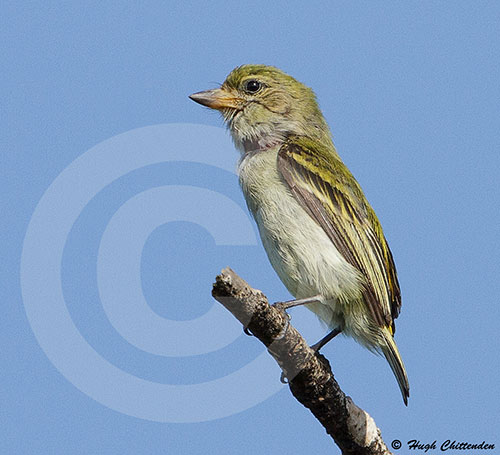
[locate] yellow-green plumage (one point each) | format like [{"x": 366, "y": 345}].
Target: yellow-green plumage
[
  {"x": 348, "y": 219},
  {"x": 319, "y": 231}
]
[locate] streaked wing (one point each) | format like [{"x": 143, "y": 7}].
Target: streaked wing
[{"x": 329, "y": 193}]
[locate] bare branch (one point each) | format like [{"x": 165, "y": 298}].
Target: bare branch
[{"x": 309, "y": 374}]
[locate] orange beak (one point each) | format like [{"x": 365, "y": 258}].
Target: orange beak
[{"x": 216, "y": 99}]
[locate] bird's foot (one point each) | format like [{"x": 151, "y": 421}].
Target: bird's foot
[
  {"x": 297, "y": 302},
  {"x": 280, "y": 307}
]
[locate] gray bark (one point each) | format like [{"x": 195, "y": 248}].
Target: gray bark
[{"x": 309, "y": 374}]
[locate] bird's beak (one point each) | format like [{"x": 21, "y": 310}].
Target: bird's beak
[{"x": 216, "y": 99}]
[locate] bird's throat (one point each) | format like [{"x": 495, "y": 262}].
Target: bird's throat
[{"x": 263, "y": 143}]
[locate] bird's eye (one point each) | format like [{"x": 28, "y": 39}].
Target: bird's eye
[{"x": 252, "y": 86}]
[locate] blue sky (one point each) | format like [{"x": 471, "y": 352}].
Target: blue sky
[{"x": 115, "y": 188}]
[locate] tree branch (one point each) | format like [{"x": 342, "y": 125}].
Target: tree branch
[{"x": 309, "y": 375}]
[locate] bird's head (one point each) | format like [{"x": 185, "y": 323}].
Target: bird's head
[{"x": 262, "y": 106}]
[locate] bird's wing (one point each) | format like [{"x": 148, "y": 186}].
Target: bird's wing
[{"x": 333, "y": 198}]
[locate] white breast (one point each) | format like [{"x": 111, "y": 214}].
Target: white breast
[{"x": 299, "y": 250}]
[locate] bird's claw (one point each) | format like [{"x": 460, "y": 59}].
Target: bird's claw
[
  {"x": 283, "y": 378},
  {"x": 282, "y": 308},
  {"x": 279, "y": 306}
]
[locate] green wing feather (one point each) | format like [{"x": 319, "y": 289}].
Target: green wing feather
[{"x": 330, "y": 194}]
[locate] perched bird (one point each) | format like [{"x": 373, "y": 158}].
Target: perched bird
[{"x": 320, "y": 233}]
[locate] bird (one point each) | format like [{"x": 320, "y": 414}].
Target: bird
[{"x": 320, "y": 233}]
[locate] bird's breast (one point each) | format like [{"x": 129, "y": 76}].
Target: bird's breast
[{"x": 299, "y": 250}]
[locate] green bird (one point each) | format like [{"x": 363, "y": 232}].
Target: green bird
[{"x": 319, "y": 231}]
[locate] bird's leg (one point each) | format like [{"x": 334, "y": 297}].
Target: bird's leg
[
  {"x": 328, "y": 337},
  {"x": 283, "y": 306},
  {"x": 291, "y": 303}
]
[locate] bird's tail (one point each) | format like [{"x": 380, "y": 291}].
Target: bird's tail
[{"x": 391, "y": 353}]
